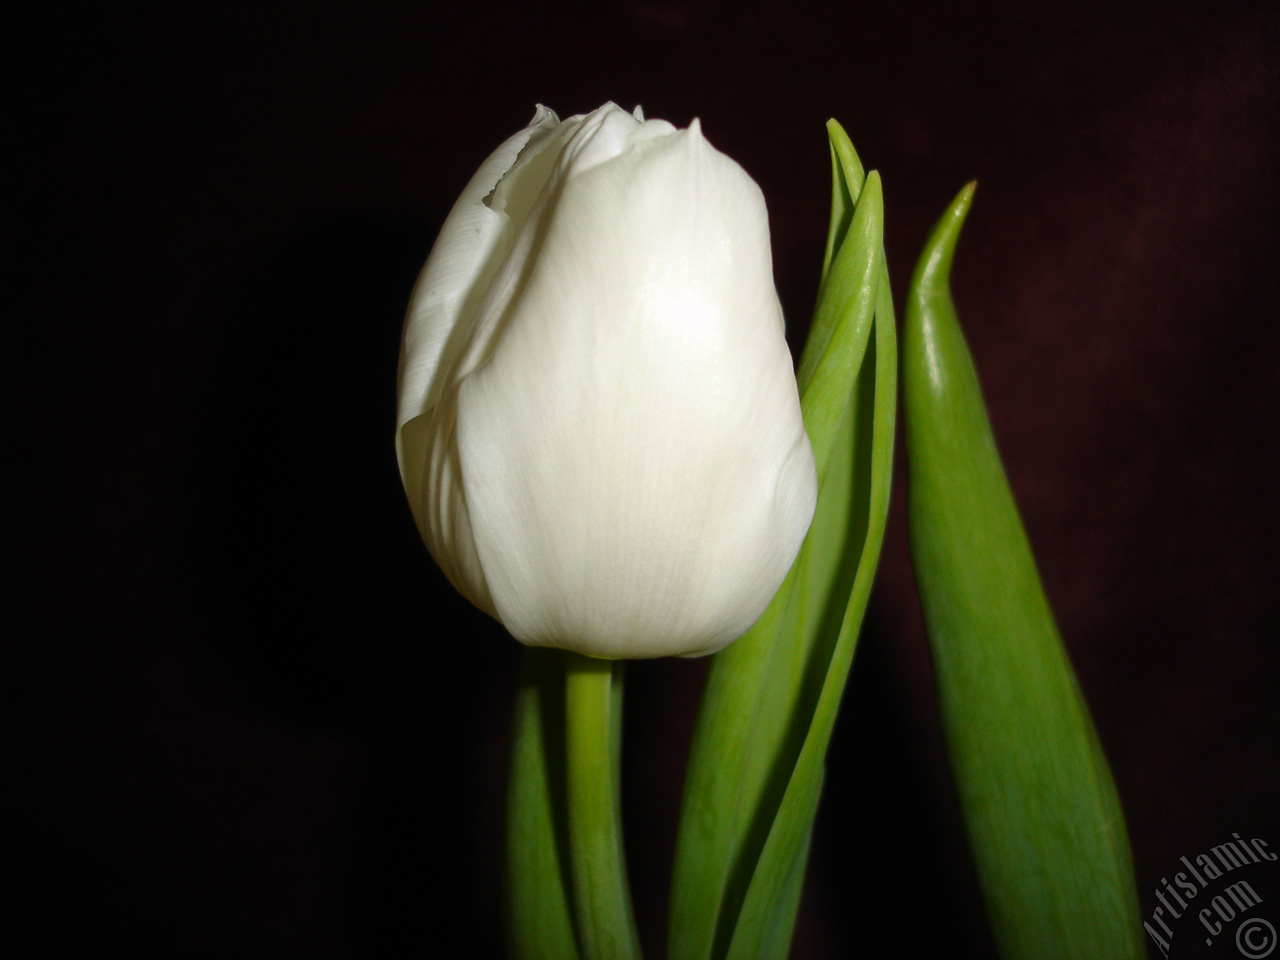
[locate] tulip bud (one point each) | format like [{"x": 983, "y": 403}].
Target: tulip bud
[{"x": 598, "y": 430}]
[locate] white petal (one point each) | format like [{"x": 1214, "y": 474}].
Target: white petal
[
  {"x": 580, "y": 144},
  {"x": 432, "y": 474},
  {"x": 632, "y": 452},
  {"x": 453, "y": 278},
  {"x": 471, "y": 246}
]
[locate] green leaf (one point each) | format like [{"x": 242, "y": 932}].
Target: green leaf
[
  {"x": 539, "y": 924},
  {"x": 871, "y": 455},
  {"x": 748, "y": 804},
  {"x": 1044, "y": 822},
  {"x": 847, "y": 176},
  {"x": 841, "y": 324},
  {"x": 771, "y": 928}
]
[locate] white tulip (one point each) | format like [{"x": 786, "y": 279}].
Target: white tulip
[{"x": 598, "y": 428}]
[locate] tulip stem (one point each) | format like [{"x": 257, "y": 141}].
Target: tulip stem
[{"x": 605, "y": 921}]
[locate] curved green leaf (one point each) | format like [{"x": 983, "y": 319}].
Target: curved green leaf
[
  {"x": 1043, "y": 818},
  {"x": 871, "y": 459}
]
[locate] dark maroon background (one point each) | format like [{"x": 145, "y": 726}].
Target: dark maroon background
[{"x": 260, "y": 723}]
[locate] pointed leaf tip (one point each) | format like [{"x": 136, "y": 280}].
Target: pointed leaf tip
[
  {"x": 843, "y": 148},
  {"x": 933, "y": 270},
  {"x": 1045, "y": 825}
]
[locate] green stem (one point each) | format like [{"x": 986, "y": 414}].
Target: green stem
[
  {"x": 539, "y": 918},
  {"x": 606, "y": 923}
]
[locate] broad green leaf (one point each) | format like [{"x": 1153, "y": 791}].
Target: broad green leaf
[
  {"x": 539, "y": 924},
  {"x": 1044, "y": 822},
  {"x": 871, "y": 457},
  {"x": 774, "y": 926},
  {"x": 758, "y": 707}
]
